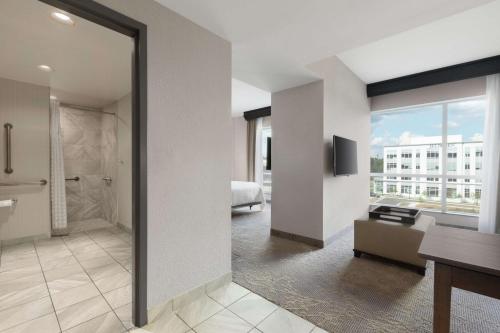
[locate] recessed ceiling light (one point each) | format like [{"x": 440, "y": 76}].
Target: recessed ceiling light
[
  {"x": 63, "y": 18},
  {"x": 45, "y": 68}
]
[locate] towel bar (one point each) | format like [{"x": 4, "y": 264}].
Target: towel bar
[{"x": 41, "y": 182}]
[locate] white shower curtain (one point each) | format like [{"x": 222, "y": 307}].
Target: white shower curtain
[
  {"x": 489, "y": 215},
  {"x": 57, "y": 182}
]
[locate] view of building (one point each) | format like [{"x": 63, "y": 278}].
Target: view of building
[{"x": 422, "y": 156}]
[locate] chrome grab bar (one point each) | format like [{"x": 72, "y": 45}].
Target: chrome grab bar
[
  {"x": 73, "y": 179},
  {"x": 8, "y": 149},
  {"x": 41, "y": 182}
]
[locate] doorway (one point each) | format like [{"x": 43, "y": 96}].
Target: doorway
[{"x": 92, "y": 115}]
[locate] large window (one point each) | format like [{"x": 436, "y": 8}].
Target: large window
[{"x": 429, "y": 157}]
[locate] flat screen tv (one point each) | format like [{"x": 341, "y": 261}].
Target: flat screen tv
[{"x": 345, "y": 161}]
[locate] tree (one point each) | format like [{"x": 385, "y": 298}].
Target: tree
[{"x": 376, "y": 164}]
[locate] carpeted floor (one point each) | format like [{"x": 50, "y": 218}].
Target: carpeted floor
[{"x": 340, "y": 293}]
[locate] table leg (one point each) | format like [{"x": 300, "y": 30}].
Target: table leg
[{"x": 442, "y": 298}]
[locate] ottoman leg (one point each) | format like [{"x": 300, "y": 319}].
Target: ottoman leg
[{"x": 357, "y": 253}]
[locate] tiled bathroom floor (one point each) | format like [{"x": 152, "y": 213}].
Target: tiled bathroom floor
[{"x": 78, "y": 283}]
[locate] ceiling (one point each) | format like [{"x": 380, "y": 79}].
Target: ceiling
[
  {"x": 91, "y": 64},
  {"x": 246, "y": 97},
  {"x": 471, "y": 35},
  {"x": 274, "y": 41}
]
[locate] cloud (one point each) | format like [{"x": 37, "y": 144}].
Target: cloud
[
  {"x": 385, "y": 140},
  {"x": 477, "y": 137},
  {"x": 377, "y": 141},
  {"x": 405, "y": 138}
]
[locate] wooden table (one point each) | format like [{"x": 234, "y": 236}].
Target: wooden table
[{"x": 464, "y": 259}]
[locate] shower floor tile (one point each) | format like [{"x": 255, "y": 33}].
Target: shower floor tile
[{"x": 86, "y": 274}]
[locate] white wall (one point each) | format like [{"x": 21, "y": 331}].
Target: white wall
[
  {"x": 26, "y": 107},
  {"x": 297, "y": 152},
  {"x": 189, "y": 151},
  {"x": 307, "y": 200},
  {"x": 124, "y": 174},
  {"x": 347, "y": 114},
  {"x": 240, "y": 149}
]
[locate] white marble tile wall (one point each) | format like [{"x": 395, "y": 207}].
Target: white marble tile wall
[{"x": 89, "y": 147}]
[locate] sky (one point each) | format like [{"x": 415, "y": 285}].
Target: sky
[{"x": 465, "y": 118}]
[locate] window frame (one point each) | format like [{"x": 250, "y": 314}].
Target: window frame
[{"x": 442, "y": 154}]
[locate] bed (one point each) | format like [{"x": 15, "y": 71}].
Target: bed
[{"x": 246, "y": 194}]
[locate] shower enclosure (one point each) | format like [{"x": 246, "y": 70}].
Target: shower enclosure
[{"x": 89, "y": 139}]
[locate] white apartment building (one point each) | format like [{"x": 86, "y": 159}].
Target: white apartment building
[{"x": 422, "y": 155}]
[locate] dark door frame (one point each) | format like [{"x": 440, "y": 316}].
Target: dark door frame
[{"x": 104, "y": 16}]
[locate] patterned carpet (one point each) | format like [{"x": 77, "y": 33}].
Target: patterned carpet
[{"x": 340, "y": 293}]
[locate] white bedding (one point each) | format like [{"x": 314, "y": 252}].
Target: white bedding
[{"x": 244, "y": 193}]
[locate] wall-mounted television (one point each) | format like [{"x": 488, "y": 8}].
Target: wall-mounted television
[{"x": 345, "y": 156}]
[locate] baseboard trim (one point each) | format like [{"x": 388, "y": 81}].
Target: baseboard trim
[
  {"x": 20, "y": 240},
  {"x": 124, "y": 227},
  {"x": 298, "y": 238},
  {"x": 176, "y": 303}
]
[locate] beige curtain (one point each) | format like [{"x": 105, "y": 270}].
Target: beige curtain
[
  {"x": 254, "y": 141},
  {"x": 251, "y": 136}
]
